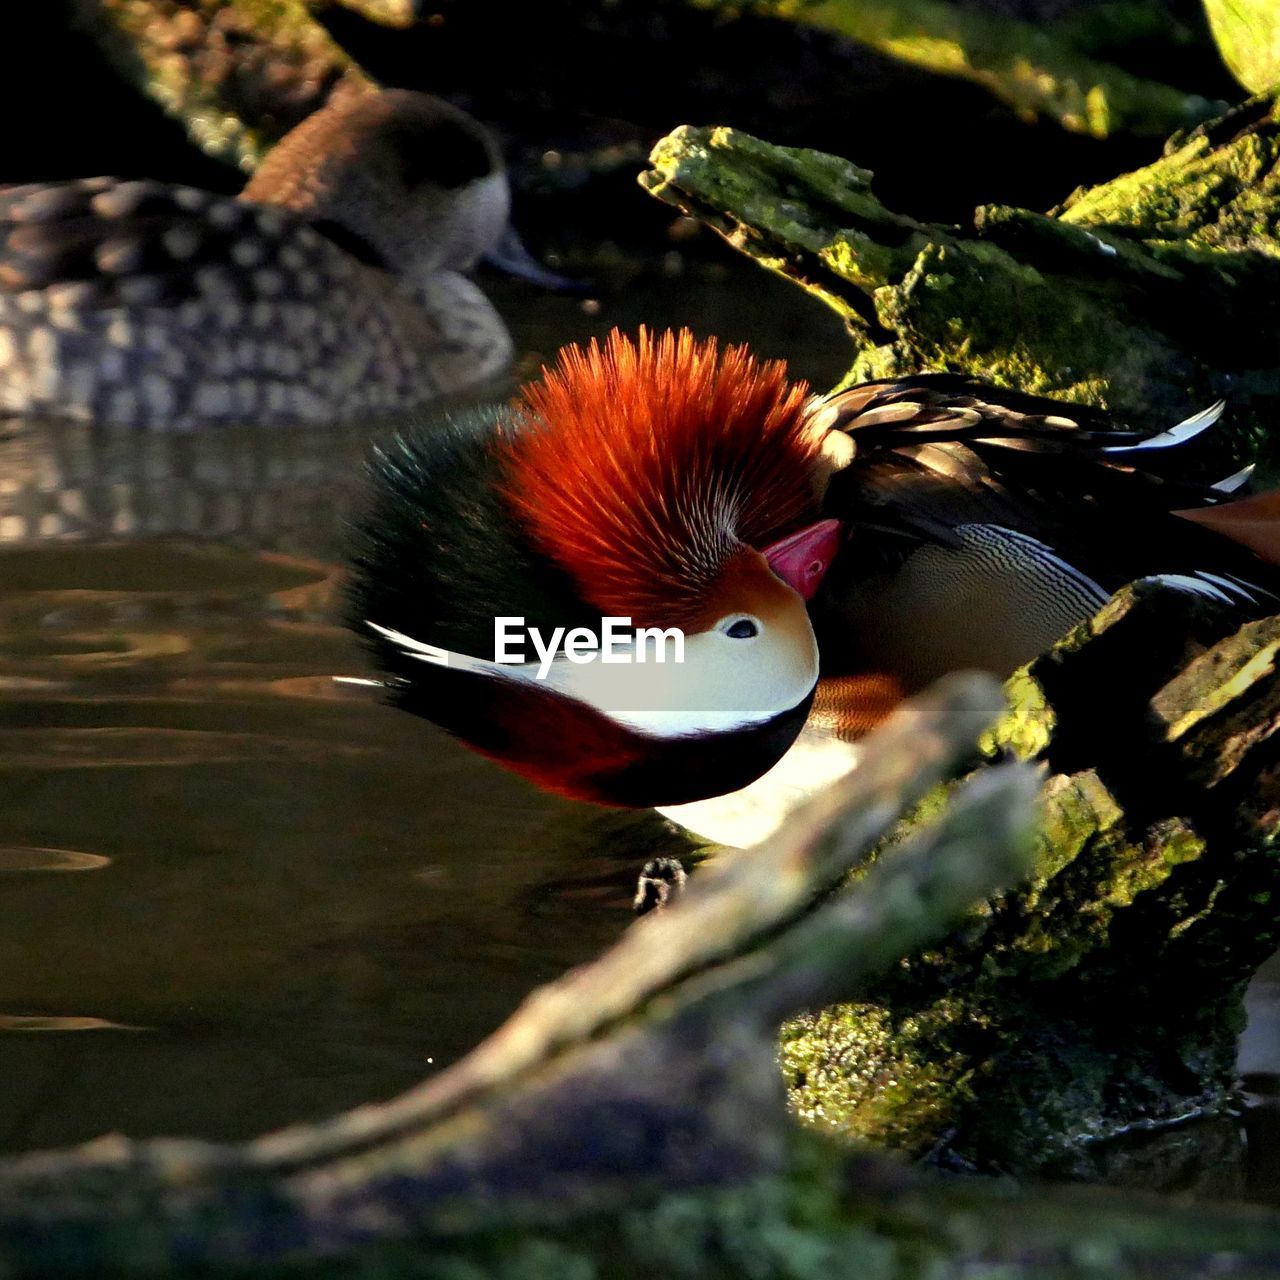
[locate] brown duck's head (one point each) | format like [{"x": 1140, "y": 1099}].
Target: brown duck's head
[
  {"x": 398, "y": 177},
  {"x": 645, "y": 497}
]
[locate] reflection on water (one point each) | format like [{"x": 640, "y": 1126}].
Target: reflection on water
[
  {"x": 288, "y": 488},
  {"x": 19, "y": 858},
  {"x": 295, "y": 900},
  {"x": 11, "y": 1022},
  {"x": 299, "y": 901}
]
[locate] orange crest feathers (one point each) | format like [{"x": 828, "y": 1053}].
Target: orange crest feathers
[{"x": 645, "y": 465}]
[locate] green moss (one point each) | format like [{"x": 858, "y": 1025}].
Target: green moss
[
  {"x": 1248, "y": 36},
  {"x": 1040, "y": 339},
  {"x": 1076, "y": 810},
  {"x": 792, "y": 1229},
  {"x": 996, "y": 1035},
  {"x": 856, "y": 1071},
  {"x": 1208, "y": 191},
  {"x": 1027, "y": 726},
  {"x": 801, "y": 1224},
  {"x": 794, "y": 193},
  {"x": 1212, "y": 684}
]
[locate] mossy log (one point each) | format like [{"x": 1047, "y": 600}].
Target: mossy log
[
  {"x": 1152, "y": 295},
  {"x": 1107, "y": 996}
]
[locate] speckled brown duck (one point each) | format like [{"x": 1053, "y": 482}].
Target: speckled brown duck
[{"x": 331, "y": 289}]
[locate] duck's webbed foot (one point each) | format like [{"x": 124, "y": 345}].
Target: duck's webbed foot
[{"x": 662, "y": 881}]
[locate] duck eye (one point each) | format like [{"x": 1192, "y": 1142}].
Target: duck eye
[{"x": 741, "y": 629}]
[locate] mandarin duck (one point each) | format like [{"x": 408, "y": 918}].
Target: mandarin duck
[
  {"x": 823, "y": 557},
  {"x": 330, "y": 290}
]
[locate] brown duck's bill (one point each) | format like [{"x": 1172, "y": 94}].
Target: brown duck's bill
[
  {"x": 510, "y": 255},
  {"x": 802, "y": 559}
]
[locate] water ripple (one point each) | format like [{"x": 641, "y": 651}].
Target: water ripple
[{"x": 20, "y": 857}]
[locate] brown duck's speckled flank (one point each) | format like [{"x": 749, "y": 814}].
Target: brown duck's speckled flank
[{"x": 331, "y": 290}]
